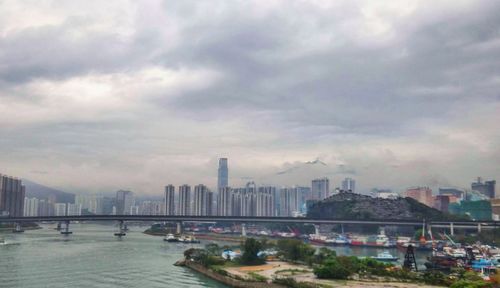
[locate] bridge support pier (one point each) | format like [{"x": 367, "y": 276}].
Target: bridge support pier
[
  {"x": 478, "y": 227},
  {"x": 316, "y": 229},
  {"x": 178, "y": 229},
  {"x": 122, "y": 229},
  {"x": 452, "y": 229},
  {"x": 66, "y": 229},
  {"x": 244, "y": 229},
  {"x": 17, "y": 228}
]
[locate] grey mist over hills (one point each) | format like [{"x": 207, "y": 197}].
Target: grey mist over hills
[{"x": 43, "y": 192}]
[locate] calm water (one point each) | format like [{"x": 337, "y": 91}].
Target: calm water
[{"x": 93, "y": 257}]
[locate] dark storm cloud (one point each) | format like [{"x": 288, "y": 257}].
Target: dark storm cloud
[
  {"x": 123, "y": 91},
  {"x": 348, "y": 86}
]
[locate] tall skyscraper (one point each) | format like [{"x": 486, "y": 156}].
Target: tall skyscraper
[
  {"x": 169, "y": 200},
  {"x": 487, "y": 188},
  {"x": 11, "y": 196},
  {"x": 124, "y": 200},
  {"x": 184, "y": 204},
  {"x": 349, "y": 184},
  {"x": 223, "y": 174},
  {"x": 203, "y": 200},
  {"x": 320, "y": 189}
]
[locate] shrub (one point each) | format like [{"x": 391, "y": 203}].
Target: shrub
[
  {"x": 209, "y": 260},
  {"x": 435, "y": 278},
  {"x": 257, "y": 277},
  {"x": 295, "y": 250},
  {"x": 290, "y": 282},
  {"x": 471, "y": 284},
  {"x": 332, "y": 269}
]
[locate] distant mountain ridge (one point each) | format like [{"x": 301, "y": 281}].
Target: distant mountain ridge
[{"x": 35, "y": 190}]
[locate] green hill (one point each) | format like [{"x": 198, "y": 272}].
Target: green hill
[{"x": 346, "y": 205}]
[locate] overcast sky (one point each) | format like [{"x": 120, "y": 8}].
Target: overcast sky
[{"x": 101, "y": 95}]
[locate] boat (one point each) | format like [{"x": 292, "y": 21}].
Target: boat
[
  {"x": 187, "y": 239},
  {"x": 191, "y": 240},
  {"x": 441, "y": 262},
  {"x": 318, "y": 239},
  {"x": 477, "y": 265},
  {"x": 357, "y": 241},
  {"x": 385, "y": 256},
  {"x": 380, "y": 240},
  {"x": 171, "y": 238},
  {"x": 403, "y": 241},
  {"x": 2, "y": 241},
  {"x": 341, "y": 240}
]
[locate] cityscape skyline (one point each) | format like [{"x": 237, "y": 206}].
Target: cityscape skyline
[{"x": 380, "y": 92}]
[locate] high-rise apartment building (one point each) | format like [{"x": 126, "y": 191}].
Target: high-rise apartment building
[
  {"x": 31, "y": 206},
  {"x": 421, "y": 194},
  {"x": 124, "y": 201},
  {"x": 320, "y": 189},
  {"x": 487, "y": 188},
  {"x": 225, "y": 201},
  {"x": 169, "y": 200},
  {"x": 349, "y": 184},
  {"x": 266, "y": 201},
  {"x": 223, "y": 174},
  {"x": 184, "y": 204},
  {"x": 290, "y": 201},
  {"x": 60, "y": 209},
  {"x": 150, "y": 208},
  {"x": 90, "y": 203},
  {"x": 11, "y": 196},
  {"x": 73, "y": 209},
  {"x": 202, "y": 201}
]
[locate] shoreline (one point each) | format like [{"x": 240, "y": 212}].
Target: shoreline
[{"x": 239, "y": 282}]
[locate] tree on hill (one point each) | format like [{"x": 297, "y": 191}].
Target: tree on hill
[{"x": 250, "y": 248}]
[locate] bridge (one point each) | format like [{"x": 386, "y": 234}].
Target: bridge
[{"x": 479, "y": 225}]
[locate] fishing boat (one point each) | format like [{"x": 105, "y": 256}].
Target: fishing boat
[
  {"x": 380, "y": 240},
  {"x": 340, "y": 240},
  {"x": 317, "y": 238},
  {"x": 441, "y": 262},
  {"x": 385, "y": 256}
]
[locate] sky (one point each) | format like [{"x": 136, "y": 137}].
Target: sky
[{"x": 97, "y": 96}]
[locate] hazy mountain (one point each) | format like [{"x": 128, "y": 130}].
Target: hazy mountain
[{"x": 43, "y": 192}]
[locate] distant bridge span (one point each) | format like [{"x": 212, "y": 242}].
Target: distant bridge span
[{"x": 246, "y": 219}]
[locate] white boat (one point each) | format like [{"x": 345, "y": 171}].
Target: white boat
[
  {"x": 385, "y": 256},
  {"x": 170, "y": 238}
]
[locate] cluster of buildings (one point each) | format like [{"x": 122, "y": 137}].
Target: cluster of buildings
[
  {"x": 480, "y": 202},
  {"x": 250, "y": 200}
]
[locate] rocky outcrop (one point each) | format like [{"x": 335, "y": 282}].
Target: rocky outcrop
[{"x": 347, "y": 205}]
